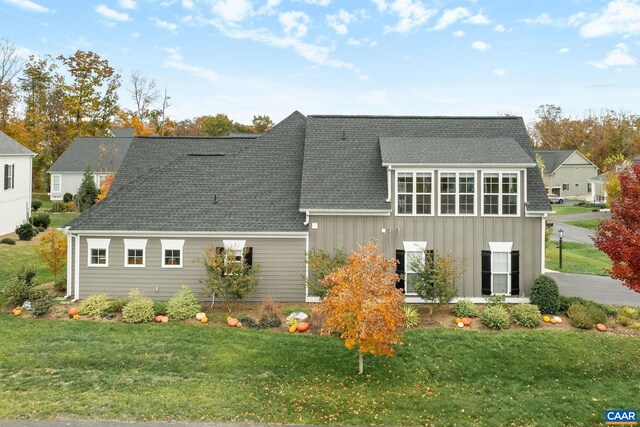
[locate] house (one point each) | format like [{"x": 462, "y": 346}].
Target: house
[
  {"x": 102, "y": 155},
  {"x": 567, "y": 173},
  {"x": 468, "y": 186},
  {"x": 15, "y": 193},
  {"x": 598, "y": 182}
]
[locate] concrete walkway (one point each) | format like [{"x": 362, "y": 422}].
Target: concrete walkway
[{"x": 595, "y": 288}]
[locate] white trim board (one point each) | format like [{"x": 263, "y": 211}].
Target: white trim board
[
  {"x": 123, "y": 233},
  {"x": 349, "y": 212}
]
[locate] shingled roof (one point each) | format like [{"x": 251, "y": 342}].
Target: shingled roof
[
  {"x": 9, "y": 146},
  {"x": 552, "y": 159},
  {"x": 100, "y": 154},
  {"x": 207, "y": 184},
  {"x": 343, "y": 165}
]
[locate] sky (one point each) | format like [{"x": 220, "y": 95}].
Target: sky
[{"x": 390, "y": 57}]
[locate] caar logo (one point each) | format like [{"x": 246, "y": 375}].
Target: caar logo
[{"x": 620, "y": 417}]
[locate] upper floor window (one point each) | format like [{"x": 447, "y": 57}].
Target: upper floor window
[
  {"x": 457, "y": 193},
  {"x": 500, "y": 194},
  {"x": 9, "y": 176},
  {"x": 414, "y": 193},
  {"x": 55, "y": 183}
]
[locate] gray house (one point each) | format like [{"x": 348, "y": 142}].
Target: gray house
[
  {"x": 102, "y": 155},
  {"x": 567, "y": 173},
  {"x": 468, "y": 186}
]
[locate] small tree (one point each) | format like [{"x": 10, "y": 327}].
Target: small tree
[
  {"x": 105, "y": 186},
  {"x": 363, "y": 304},
  {"x": 619, "y": 237},
  {"x": 229, "y": 279},
  {"x": 87, "y": 192},
  {"x": 435, "y": 278},
  {"x": 321, "y": 264},
  {"x": 53, "y": 248}
]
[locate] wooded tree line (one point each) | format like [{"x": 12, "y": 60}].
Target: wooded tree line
[
  {"x": 605, "y": 138},
  {"x": 46, "y": 102}
]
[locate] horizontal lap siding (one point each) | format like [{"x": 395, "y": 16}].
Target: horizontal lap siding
[{"x": 282, "y": 264}]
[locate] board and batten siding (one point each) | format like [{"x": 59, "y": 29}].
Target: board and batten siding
[{"x": 282, "y": 265}]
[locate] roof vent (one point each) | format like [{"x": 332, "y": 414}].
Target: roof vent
[{"x": 344, "y": 134}]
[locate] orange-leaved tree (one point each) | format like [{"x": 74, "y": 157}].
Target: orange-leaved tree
[
  {"x": 105, "y": 186},
  {"x": 363, "y": 304},
  {"x": 53, "y": 248}
]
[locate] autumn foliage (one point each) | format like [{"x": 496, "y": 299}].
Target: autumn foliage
[
  {"x": 363, "y": 304},
  {"x": 619, "y": 237},
  {"x": 105, "y": 185},
  {"x": 53, "y": 249}
]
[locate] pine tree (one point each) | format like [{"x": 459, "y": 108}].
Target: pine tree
[{"x": 88, "y": 192}]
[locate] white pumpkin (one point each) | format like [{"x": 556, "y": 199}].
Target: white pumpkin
[
  {"x": 558, "y": 319},
  {"x": 200, "y": 316},
  {"x": 460, "y": 325}
]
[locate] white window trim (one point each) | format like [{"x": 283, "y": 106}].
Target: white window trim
[
  {"x": 457, "y": 194},
  {"x": 414, "y": 194},
  {"x": 234, "y": 245},
  {"x": 98, "y": 244},
  {"x": 53, "y": 183},
  {"x": 98, "y": 178},
  {"x": 175, "y": 245},
  {"x": 518, "y": 199},
  {"x": 11, "y": 170},
  {"x": 411, "y": 247},
  {"x": 502, "y": 247},
  {"x": 139, "y": 244}
]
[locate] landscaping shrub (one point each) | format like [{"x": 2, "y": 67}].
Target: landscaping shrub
[
  {"x": 267, "y": 309},
  {"x": 412, "y": 315},
  {"x": 627, "y": 316},
  {"x": 465, "y": 308},
  {"x": 183, "y": 305},
  {"x": 585, "y": 316},
  {"x": 545, "y": 294},
  {"x": 36, "y": 204},
  {"x": 26, "y": 231},
  {"x": 160, "y": 308},
  {"x": 68, "y": 197},
  {"x": 41, "y": 301},
  {"x": 117, "y": 305},
  {"x": 95, "y": 305},
  {"x": 39, "y": 229},
  {"x": 8, "y": 241},
  {"x": 290, "y": 310},
  {"x": 17, "y": 291},
  {"x": 269, "y": 322},
  {"x": 496, "y": 301},
  {"x": 57, "y": 206},
  {"x": 495, "y": 317},
  {"x": 70, "y": 207},
  {"x": 247, "y": 321},
  {"x": 60, "y": 284},
  {"x": 527, "y": 315},
  {"x": 139, "y": 309},
  {"x": 566, "y": 302},
  {"x": 41, "y": 220}
]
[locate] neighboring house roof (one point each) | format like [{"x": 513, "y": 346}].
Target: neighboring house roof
[
  {"x": 207, "y": 184},
  {"x": 553, "y": 159},
  {"x": 603, "y": 177},
  {"x": 244, "y": 135},
  {"x": 100, "y": 154},
  {"x": 122, "y": 132},
  {"x": 452, "y": 151},
  {"x": 343, "y": 166},
  {"x": 9, "y": 146}
]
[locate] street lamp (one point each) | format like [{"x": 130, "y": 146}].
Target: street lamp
[{"x": 560, "y": 234}]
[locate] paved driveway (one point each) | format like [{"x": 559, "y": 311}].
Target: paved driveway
[
  {"x": 596, "y": 288},
  {"x": 573, "y": 233}
]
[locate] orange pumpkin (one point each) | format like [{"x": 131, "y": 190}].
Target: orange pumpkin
[
  {"x": 466, "y": 321},
  {"x": 232, "y": 321},
  {"x": 159, "y": 318},
  {"x": 165, "y": 319},
  {"x": 302, "y": 326},
  {"x": 457, "y": 320},
  {"x": 601, "y": 327},
  {"x": 16, "y": 311},
  {"x": 72, "y": 312}
]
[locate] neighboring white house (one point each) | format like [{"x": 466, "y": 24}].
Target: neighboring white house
[{"x": 15, "y": 190}]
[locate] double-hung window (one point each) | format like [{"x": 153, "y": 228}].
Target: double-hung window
[
  {"x": 172, "y": 253},
  {"x": 9, "y": 176},
  {"x": 457, "y": 193},
  {"x": 98, "y": 252},
  {"x": 500, "y": 269},
  {"x": 413, "y": 258},
  {"x": 414, "y": 193},
  {"x": 134, "y": 252},
  {"x": 500, "y": 194},
  {"x": 56, "y": 180}
]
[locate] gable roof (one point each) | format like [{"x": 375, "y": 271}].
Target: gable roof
[
  {"x": 553, "y": 159},
  {"x": 10, "y": 146},
  {"x": 100, "y": 154},
  {"x": 343, "y": 166},
  {"x": 207, "y": 184},
  {"x": 122, "y": 132}
]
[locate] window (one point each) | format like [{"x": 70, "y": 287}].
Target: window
[
  {"x": 413, "y": 252},
  {"x": 55, "y": 183},
  {"x": 588, "y": 187},
  {"x": 98, "y": 178},
  {"x": 500, "y": 194},
  {"x": 500, "y": 269},
  {"x": 9, "y": 176},
  {"x": 236, "y": 247},
  {"x": 457, "y": 193},
  {"x": 98, "y": 252},
  {"x": 134, "y": 252},
  {"x": 414, "y": 193},
  {"x": 172, "y": 253},
  {"x": 565, "y": 187}
]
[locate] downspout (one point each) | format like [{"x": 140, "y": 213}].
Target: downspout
[
  {"x": 76, "y": 275},
  {"x": 65, "y": 230},
  {"x": 544, "y": 243},
  {"x": 306, "y": 220},
  {"x": 388, "y": 184}
]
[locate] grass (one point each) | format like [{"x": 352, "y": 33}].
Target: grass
[
  {"x": 181, "y": 371},
  {"x": 46, "y": 202},
  {"x": 568, "y": 210},
  {"x": 580, "y": 258},
  {"x": 590, "y": 224},
  {"x": 61, "y": 219},
  {"x": 13, "y": 258}
]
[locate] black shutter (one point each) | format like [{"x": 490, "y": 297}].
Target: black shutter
[
  {"x": 400, "y": 269},
  {"x": 430, "y": 256},
  {"x": 220, "y": 251},
  {"x": 515, "y": 273},
  {"x": 13, "y": 176},
  {"x": 6, "y": 177},
  {"x": 486, "y": 272},
  {"x": 248, "y": 256}
]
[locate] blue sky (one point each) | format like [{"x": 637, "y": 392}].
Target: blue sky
[{"x": 416, "y": 57}]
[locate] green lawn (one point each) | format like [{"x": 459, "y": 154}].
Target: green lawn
[
  {"x": 590, "y": 224},
  {"x": 46, "y": 202},
  {"x": 191, "y": 372},
  {"x": 13, "y": 258},
  {"x": 577, "y": 258},
  {"x": 567, "y": 210},
  {"x": 61, "y": 219}
]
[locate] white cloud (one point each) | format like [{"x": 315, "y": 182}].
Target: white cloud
[
  {"x": 232, "y": 10},
  {"x": 23, "y": 52},
  {"x": 478, "y": 19},
  {"x": 164, "y": 24},
  {"x": 619, "y": 56},
  {"x": 501, "y": 72},
  {"x": 187, "y": 4},
  {"x": 563, "y": 50},
  {"x": 542, "y": 19},
  {"x": 481, "y": 46},
  {"x": 380, "y": 4},
  {"x": 340, "y": 21},
  {"x": 354, "y": 42},
  {"x": 619, "y": 17},
  {"x": 373, "y": 43},
  {"x": 176, "y": 61},
  {"x": 318, "y": 2},
  {"x": 546, "y": 19},
  {"x": 499, "y": 28},
  {"x": 359, "y": 42},
  {"x": 295, "y": 23},
  {"x": 111, "y": 14},
  {"x": 458, "y": 33},
  {"x": 135, "y": 35},
  {"x": 450, "y": 17},
  {"x": 29, "y": 5},
  {"x": 128, "y": 4},
  {"x": 412, "y": 14},
  {"x": 269, "y": 7}
]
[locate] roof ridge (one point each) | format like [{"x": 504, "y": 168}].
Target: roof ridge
[{"x": 356, "y": 116}]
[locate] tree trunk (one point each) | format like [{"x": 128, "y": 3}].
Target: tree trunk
[{"x": 360, "y": 364}]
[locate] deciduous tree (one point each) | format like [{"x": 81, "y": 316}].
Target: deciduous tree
[
  {"x": 10, "y": 66},
  {"x": 321, "y": 264},
  {"x": 105, "y": 186},
  {"x": 363, "y": 304},
  {"x": 434, "y": 280},
  {"x": 262, "y": 124},
  {"x": 53, "y": 249},
  {"x": 220, "y": 125},
  {"x": 619, "y": 237}
]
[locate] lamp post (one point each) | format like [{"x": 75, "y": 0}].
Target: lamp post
[{"x": 560, "y": 234}]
